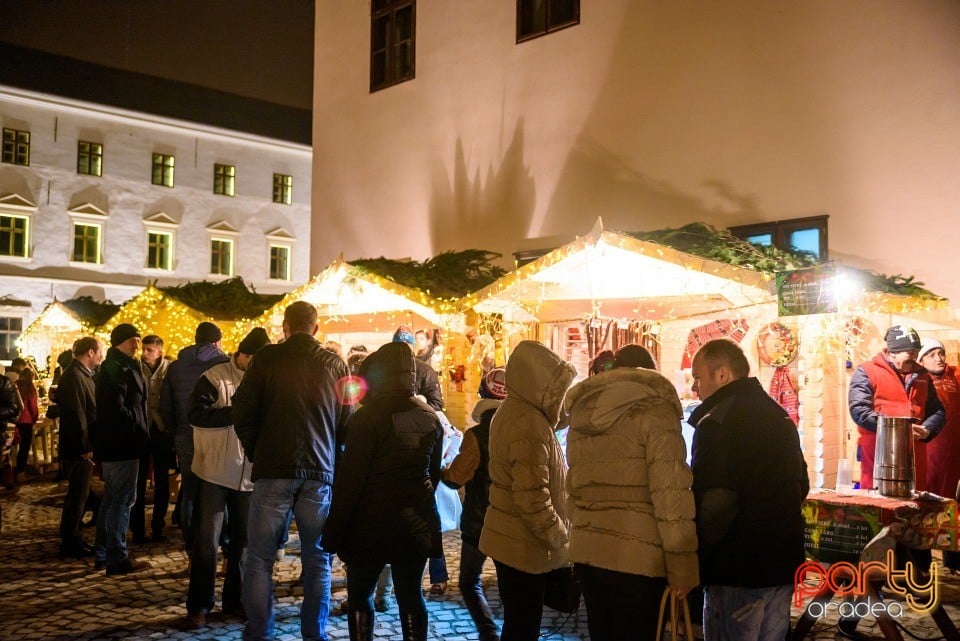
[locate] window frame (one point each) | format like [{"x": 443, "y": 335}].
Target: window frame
[
  {"x": 226, "y": 175},
  {"x": 164, "y": 170},
  {"x": 27, "y": 224},
  {"x": 780, "y": 231},
  {"x": 284, "y": 189},
  {"x": 221, "y": 238},
  {"x": 7, "y": 331},
  {"x": 171, "y": 240},
  {"x": 13, "y": 150},
  {"x": 90, "y": 154},
  {"x": 548, "y": 28},
  {"x": 389, "y": 9},
  {"x": 90, "y": 224},
  {"x": 288, "y": 248}
]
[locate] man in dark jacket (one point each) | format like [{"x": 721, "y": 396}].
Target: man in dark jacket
[
  {"x": 470, "y": 468},
  {"x": 749, "y": 481},
  {"x": 10, "y": 404},
  {"x": 383, "y": 507},
  {"x": 894, "y": 384},
  {"x": 290, "y": 419},
  {"x": 120, "y": 436},
  {"x": 76, "y": 398},
  {"x": 181, "y": 377}
]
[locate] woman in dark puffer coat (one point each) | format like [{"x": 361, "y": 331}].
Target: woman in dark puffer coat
[{"x": 383, "y": 509}]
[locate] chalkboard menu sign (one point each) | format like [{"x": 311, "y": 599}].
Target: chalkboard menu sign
[
  {"x": 835, "y": 533},
  {"x": 807, "y": 291}
]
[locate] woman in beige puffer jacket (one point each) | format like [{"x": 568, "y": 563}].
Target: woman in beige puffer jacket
[
  {"x": 631, "y": 506},
  {"x": 525, "y": 529}
]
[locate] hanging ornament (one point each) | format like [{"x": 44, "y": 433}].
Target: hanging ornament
[{"x": 777, "y": 345}]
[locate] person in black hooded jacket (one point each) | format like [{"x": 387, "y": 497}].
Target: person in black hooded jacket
[{"x": 383, "y": 508}]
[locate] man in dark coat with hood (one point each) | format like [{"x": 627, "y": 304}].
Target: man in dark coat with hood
[{"x": 181, "y": 377}]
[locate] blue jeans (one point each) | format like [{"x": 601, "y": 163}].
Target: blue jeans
[
  {"x": 746, "y": 614},
  {"x": 119, "y": 495},
  {"x": 271, "y": 500},
  {"x": 363, "y": 580},
  {"x": 210, "y": 522},
  {"x": 438, "y": 569}
]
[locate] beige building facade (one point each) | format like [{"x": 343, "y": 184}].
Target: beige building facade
[{"x": 649, "y": 114}]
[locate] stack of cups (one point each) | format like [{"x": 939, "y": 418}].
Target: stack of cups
[{"x": 844, "y": 476}]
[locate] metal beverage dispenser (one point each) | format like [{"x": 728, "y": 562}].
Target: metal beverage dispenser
[{"x": 894, "y": 471}]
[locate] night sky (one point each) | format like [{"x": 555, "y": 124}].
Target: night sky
[{"x": 259, "y": 49}]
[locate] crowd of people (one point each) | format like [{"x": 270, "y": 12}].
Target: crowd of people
[{"x": 275, "y": 432}]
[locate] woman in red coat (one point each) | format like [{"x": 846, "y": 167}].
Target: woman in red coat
[
  {"x": 28, "y": 417},
  {"x": 943, "y": 452}
]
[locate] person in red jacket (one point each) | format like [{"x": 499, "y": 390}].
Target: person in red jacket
[
  {"x": 943, "y": 454},
  {"x": 894, "y": 384},
  {"x": 29, "y": 416}
]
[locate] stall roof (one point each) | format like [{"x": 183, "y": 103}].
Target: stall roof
[
  {"x": 616, "y": 275},
  {"x": 154, "y": 312},
  {"x": 353, "y": 299}
]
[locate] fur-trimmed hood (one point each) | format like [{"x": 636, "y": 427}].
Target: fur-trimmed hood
[{"x": 601, "y": 401}]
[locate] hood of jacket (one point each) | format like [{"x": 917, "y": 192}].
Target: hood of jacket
[
  {"x": 482, "y": 406},
  {"x": 201, "y": 355},
  {"x": 601, "y": 401},
  {"x": 390, "y": 371},
  {"x": 538, "y": 376}
]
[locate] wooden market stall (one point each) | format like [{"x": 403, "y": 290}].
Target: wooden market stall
[
  {"x": 53, "y": 331},
  {"x": 608, "y": 289}
]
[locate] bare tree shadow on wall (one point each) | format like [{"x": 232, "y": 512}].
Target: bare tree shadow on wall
[
  {"x": 483, "y": 213},
  {"x": 596, "y": 181}
]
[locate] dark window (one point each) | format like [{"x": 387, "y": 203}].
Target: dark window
[
  {"x": 279, "y": 262},
  {"x": 162, "y": 170},
  {"x": 16, "y": 147},
  {"x": 282, "y": 189},
  {"x": 86, "y": 243},
  {"x": 159, "y": 245},
  {"x": 799, "y": 234},
  {"x": 224, "y": 180},
  {"x": 392, "y": 42},
  {"x": 10, "y": 330},
  {"x": 540, "y": 17},
  {"x": 13, "y": 236},
  {"x": 221, "y": 257},
  {"x": 89, "y": 158}
]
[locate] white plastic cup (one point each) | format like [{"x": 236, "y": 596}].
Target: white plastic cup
[{"x": 844, "y": 476}]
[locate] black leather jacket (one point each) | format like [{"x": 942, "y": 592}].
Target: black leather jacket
[
  {"x": 121, "y": 431},
  {"x": 288, "y": 413}
]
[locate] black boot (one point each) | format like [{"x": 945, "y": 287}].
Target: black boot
[
  {"x": 482, "y": 617},
  {"x": 360, "y": 624},
  {"x": 414, "y": 625}
]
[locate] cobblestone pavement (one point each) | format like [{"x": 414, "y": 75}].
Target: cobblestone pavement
[{"x": 43, "y": 597}]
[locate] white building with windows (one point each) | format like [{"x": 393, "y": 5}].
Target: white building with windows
[
  {"x": 513, "y": 125},
  {"x": 101, "y": 200}
]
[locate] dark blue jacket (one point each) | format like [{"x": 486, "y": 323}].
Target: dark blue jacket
[
  {"x": 181, "y": 377},
  {"x": 121, "y": 431}
]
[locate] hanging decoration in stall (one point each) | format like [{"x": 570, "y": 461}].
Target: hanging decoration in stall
[
  {"x": 778, "y": 347},
  {"x": 733, "y": 329}
]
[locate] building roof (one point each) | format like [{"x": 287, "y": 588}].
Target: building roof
[{"x": 66, "y": 77}]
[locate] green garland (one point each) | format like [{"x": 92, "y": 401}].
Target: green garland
[
  {"x": 447, "y": 275},
  {"x": 92, "y": 313},
  {"x": 707, "y": 241},
  {"x": 229, "y": 299}
]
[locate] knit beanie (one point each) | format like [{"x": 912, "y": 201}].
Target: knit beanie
[
  {"x": 122, "y": 333},
  {"x": 404, "y": 335},
  {"x": 494, "y": 384},
  {"x": 207, "y": 333},
  {"x": 253, "y": 341},
  {"x": 901, "y": 338},
  {"x": 927, "y": 346}
]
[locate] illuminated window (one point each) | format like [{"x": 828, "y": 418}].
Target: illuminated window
[
  {"x": 280, "y": 262},
  {"x": 282, "y": 189},
  {"x": 160, "y": 250},
  {"x": 89, "y": 158},
  {"x": 86, "y": 243},
  {"x": 797, "y": 234},
  {"x": 392, "y": 42},
  {"x": 162, "y": 170},
  {"x": 224, "y": 180},
  {"x": 221, "y": 257},
  {"x": 540, "y": 17},
  {"x": 10, "y": 330},
  {"x": 16, "y": 147},
  {"x": 13, "y": 236}
]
